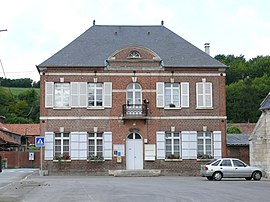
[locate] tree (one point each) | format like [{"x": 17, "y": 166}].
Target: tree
[{"x": 233, "y": 130}]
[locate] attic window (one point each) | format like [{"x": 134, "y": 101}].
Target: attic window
[{"x": 134, "y": 54}]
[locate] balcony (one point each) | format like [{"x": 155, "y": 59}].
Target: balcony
[{"x": 135, "y": 111}]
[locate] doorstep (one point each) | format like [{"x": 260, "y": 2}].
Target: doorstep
[{"x": 135, "y": 173}]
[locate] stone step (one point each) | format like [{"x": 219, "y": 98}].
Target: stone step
[{"x": 135, "y": 173}]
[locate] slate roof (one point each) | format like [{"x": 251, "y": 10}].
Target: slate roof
[
  {"x": 238, "y": 139},
  {"x": 96, "y": 44},
  {"x": 265, "y": 103}
]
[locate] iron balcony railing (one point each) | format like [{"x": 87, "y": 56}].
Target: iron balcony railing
[{"x": 138, "y": 111}]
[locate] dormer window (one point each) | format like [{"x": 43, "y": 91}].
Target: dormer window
[{"x": 134, "y": 54}]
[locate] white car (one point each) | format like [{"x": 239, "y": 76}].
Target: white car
[{"x": 230, "y": 168}]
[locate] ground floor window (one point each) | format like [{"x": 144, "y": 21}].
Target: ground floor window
[
  {"x": 173, "y": 145},
  {"x": 204, "y": 145},
  {"x": 95, "y": 145},
  {"x": 61, "y": 145}
]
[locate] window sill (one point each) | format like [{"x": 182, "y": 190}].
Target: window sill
[
  {"x": 61, "y": 108},
  {"x": 169, "y": 108},
  {"x": 56, "y": 161},
  {"x": 95, "y": 108},
  {"x": 170, "y": 160},
  {"x": 204, "y": 160},
  {"x": 204, "y": 107}
]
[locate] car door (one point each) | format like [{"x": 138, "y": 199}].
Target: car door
[
  {"x": 226, "y": 168},
  {"x": 241, "y": 169}
]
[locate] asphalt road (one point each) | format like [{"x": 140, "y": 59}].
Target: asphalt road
[{"x": 121, "y": 189}]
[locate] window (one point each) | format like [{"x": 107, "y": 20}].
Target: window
[
  {"x": 172, "y": 94},
  {"x": 204, "y": 143},
  {"x": 134, "y": 54},
  {"x": 61, "y": 145},
  {"x": 172, "y": 145},
  {"x": 95, "y": 144},
  {"x": 61, "y": 94},
  {"x": 226, "y": 163},
  {"x": 95, "y": 94},
  {"x": 204, "y": 94},
  {"x": 237, "y": 163},
  {"x": 134, "y": 94}
]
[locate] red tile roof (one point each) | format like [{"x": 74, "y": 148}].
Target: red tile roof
[
  {"x": 22, "y": 129},
  {"x": 246, "y": 128},
  {"x": 7, "y": 139}
]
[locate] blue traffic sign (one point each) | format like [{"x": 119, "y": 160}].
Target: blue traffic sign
[{"x": 40, "y": 142}]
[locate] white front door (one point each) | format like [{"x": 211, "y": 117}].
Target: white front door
[{"x": 134, "y": 158}]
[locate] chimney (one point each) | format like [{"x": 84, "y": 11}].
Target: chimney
[
  {"x": 162, "y": 22},
  {"x": 94, "y": 22},
  {"x": 207, "y": 48}
]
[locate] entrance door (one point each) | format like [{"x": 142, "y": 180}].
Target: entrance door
[{"x": 134, "y": 158}]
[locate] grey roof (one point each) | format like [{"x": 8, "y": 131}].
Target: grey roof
[
  {"x": 97, "y": 43},
  {"x": 265, "y": 103},
  {"x": 238, "y": 139}
]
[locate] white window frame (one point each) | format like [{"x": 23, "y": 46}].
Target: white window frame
[
  {"x": 173, "y": 138},
  {"x": 171, "y": 88},
  {"x": 96, "y": 138},
  {"x": 204, "y": 94},
  {"x": 64, "y": 93},
  {"x": 63, "y": 136},
  {"x": 204, "y": 137},
  {"x": 131, "y": 88},
  {"x": 95, "y": 88}
]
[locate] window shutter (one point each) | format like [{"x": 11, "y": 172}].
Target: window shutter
[
  {"x": 185, "y": 94},
  {"x": 83, "y": 94},
  {"x": 107, "y": 94},
  {"x": 49, "y": 91},
  {"x": 49, "y": 141},
  {"x": 160, "y": 135},
  {"x": 74, "y": 94},
  {"x": 189, "y": 144},
  {"x": 160, "y": 94},
  {"x": 78, "y": 145},
  {"x": 107, "y": 142},
  {"x": 199, "y": 91},
  {"x": 217, "y": 144},
  {"x": 208, "y": 94}
]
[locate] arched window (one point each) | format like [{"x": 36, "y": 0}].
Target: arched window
[
  {"x": 134, "y": 54},
  {"x": 134, "y": 94},
  {"x": 133, "y": 136}
]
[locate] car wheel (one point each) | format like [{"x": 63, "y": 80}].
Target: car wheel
[
  {"x": 257, "y": 175},
  {"x": 210, "y": 178},
  {"x": 248, "y": 178},
  {"x": 217, "y": 176}
]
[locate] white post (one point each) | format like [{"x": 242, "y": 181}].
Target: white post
[{"x": 41, "y": 172}]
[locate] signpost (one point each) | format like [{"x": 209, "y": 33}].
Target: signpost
[{"x": 40, "y": 142}]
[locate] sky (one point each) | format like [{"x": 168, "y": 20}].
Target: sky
[{"x": 37, "y": 29}]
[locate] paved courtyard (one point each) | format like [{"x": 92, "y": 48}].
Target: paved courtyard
[{"x": 119, "y": 189}]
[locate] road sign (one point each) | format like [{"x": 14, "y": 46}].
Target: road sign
[{"x": 40, "y": 142}]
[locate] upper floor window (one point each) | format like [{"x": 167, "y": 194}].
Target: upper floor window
[
  {"x": 134, "y": 94},
  {"x": 61, "y": 94},
  {"x": 95, "y": 94},
  {"x": 172, "y": 94},
  {"x": 134, "y": 54},
  {"x": 204, "y": 94}
]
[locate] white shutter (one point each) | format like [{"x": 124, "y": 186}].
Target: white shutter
[
  {"x": 107, "y": 94},
  {"x": 83, "y": 94},
  {"x": 217, "y": 144},
  {"x": 49, "y": 141},
  {"x": 199, "y": 92},
  {"x": 49, "y": 91},
  {"x": 185, "y": 94},
  {"x": 160, "y": 94},
  {"x": 74, "y": 94},
  {"x": 78, "y": 145},
  {"x": 208, "y": 94},
  {"x": 107, "y": 148},
  {"x": 160, "y": 138},
  {"x": 189, "y": 144}
]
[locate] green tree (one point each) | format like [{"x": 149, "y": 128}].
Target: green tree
[{"x": 234, "y": 130}]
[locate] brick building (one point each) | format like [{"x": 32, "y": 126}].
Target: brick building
[{"x": 139, "y": 97}]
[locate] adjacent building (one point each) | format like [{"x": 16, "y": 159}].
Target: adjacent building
[{"x": 134, "y": 97}]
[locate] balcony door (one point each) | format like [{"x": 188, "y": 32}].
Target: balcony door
[{"x": 134, "y": 99}]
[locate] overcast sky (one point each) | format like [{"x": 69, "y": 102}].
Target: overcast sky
[{"x": 39, "y": 28}]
